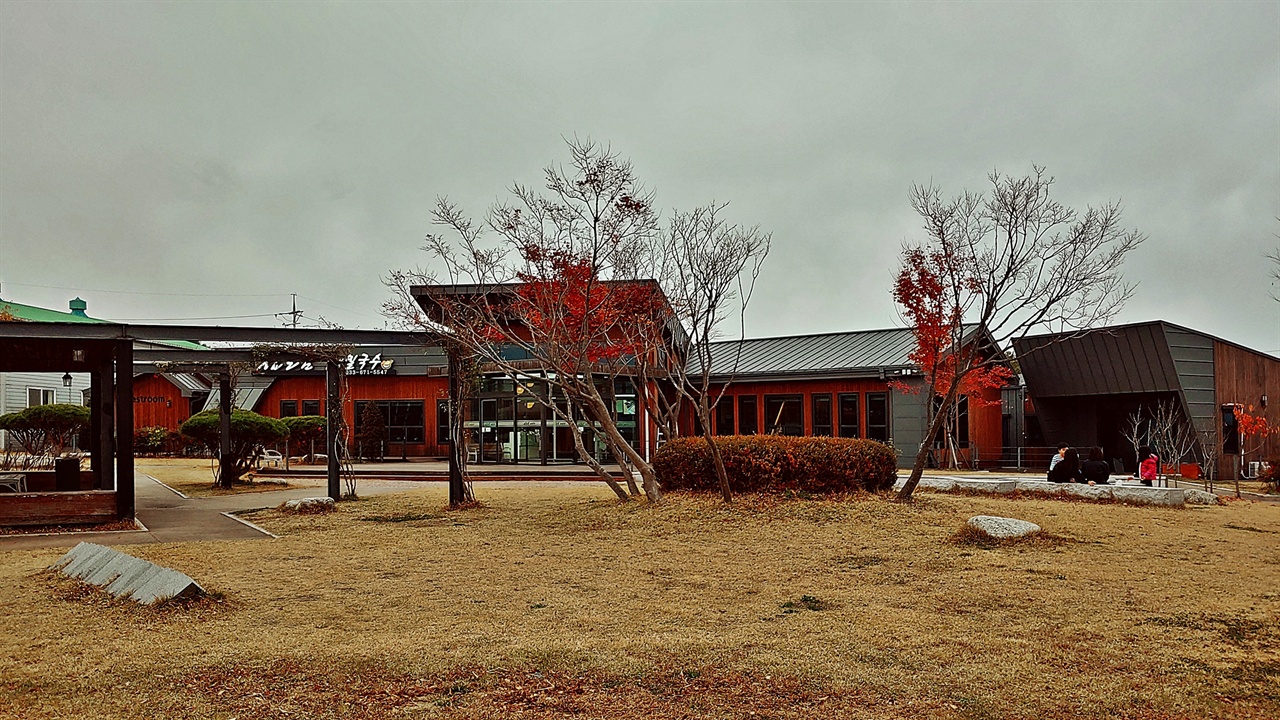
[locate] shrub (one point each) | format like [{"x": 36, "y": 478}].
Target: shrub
[
  {"x": 150, "y": 440},
  {"x": 46, "y": 429},
  {"x": 249, "y": 432},
  {"x": 776, "y": 464}
]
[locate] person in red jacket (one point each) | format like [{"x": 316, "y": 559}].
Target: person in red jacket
[{"x": 1149, "y": 468}]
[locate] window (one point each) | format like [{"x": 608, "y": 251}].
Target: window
[
  {"x": 310, "y": 407},
  {"x": 442, "y": 422},
  {"x": 724, "y": 416},
  {"x": 288, "y": 408},
  {"x": 747, "y": 421},
  {"x": 784, "y": 415},
  {"x": 850, "y": 418},
  {"x": 821, "y": 414},
  {"x": 40, "y": 396},
  {"x": 878, "y": 416},
  {"x": 405, "y": 419}
]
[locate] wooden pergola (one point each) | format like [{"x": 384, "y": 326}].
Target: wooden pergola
[{"x": 106, "y": 352}]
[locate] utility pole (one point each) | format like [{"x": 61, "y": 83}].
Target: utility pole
[{"x": 293, "y": 314}]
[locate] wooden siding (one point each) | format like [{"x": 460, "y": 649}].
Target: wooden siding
[
  {"x": 392, "y": 387},
  {"x": 1243, "y": 376},
  {"x": 58, "y": 508},
  {"x": 158, "y": 403},
  {"x": 984, "y": 421}
]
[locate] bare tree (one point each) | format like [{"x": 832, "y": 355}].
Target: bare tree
[
  {"x": 1018, "y": 262},
  {"x": 566, "y": 275},
  {"x": 1172, "y": 434},
  {"x": 1136, "y": 433},
  {"x": 713, "y": 270},
  {"x": 1209, "y": 451}
]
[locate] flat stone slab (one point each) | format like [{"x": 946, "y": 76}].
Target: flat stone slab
[
  {"x": 1003, "y": 528},
  {"x": 1143, "y": 495},
  {"x": 990, "y": 486},
  {"x": 125, "y": 576},
  {"x": 929, "y": 482}
]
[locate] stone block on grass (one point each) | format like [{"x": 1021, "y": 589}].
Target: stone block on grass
[
  {"x": 1003, "y": 528},
  {"x": 1191, "y": 496},
  {"x": 125, "y": 576},
  {"x": 987, "y": 486},
  {"x": 1143, "y": 495},
  {"x": 309, "y": 505}
]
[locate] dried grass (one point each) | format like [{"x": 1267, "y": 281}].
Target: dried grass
[
  {"x": 193, "y": 477},
  {"x": 553, "y": 602}
]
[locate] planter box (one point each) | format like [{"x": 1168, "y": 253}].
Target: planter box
[{"x": 88, "y": 507}]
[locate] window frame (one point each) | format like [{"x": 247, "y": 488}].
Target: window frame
[
  {"x": 820, "y": 429},
  {"x": 770, "y": 428},
  {"x": 748, "y": 422},
  {"x": 843, "y": 427}
]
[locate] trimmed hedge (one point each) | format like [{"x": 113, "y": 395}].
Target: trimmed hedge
[{"x": 775, "y": 464}]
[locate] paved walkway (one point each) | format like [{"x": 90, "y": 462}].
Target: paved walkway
[{"x": 169, "y": 517}]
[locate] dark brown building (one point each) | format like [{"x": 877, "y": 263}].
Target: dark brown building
[{"x": 1085, "y": 387}]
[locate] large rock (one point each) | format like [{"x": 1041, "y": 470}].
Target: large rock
[
  {"x": 1042, "y": 485},
  {"x": 309, "y": 505},
  {"x": 1191, "y": 496},
  {"x": 1143, "y": 495},
  {"x": 1003, "y": 528},
  {"x": 125, "y": 576}
]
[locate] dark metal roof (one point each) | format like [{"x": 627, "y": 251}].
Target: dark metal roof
[
  {"x": 1123, "y": 359},
  {"x": 848, "y": 352}
]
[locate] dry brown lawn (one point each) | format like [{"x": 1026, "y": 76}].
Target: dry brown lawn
[
  {"x": 556, "y": 602},
  {"x": 194, "y": 477}
]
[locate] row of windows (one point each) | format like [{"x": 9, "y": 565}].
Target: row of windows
[
  {"x": 290, "y": 408},
  {"x": 784, "y": 415}
]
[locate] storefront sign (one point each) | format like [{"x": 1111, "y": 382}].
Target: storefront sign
[
  {"x": 149, "y": 399},
  {"x": 353, "y": 364}
]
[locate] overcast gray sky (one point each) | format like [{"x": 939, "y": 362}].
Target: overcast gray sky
[{"x": 262, "y": 149}]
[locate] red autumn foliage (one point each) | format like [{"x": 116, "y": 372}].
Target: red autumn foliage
[
  {"x": 1252, "y": 426},
  {"x": 929, "y": 289}
]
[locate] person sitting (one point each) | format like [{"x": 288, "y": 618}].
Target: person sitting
[
  {"x": 1096, "y": 470},
  {"x": 1067, "y": 469},
  {"x": 1057, "y": 458},
  {"x": 1149, "y": 470}
]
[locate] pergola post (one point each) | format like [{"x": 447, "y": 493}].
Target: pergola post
[
  {"x": 102, "y": 424},
  {"x": 124, "y": 429},
  {"x": 333, "y": 412},
  {"x": 224, "y": 423}
]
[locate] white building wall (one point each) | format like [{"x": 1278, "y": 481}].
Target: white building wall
[{"x": 13, "y": 391}]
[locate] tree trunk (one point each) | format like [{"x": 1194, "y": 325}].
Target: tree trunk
[
  {"x": 922, "y": 455},
  {"x": 590, "y": 460},
  {"x": 717, "y": 461},
  {"x": 649, "y": 480}
]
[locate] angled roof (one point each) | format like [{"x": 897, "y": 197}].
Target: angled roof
[
  {"x": 31, "y": 313},
  {"x": 846, "y": 352}
]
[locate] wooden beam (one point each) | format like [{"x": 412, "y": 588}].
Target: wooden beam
[
  {"x": 124, "y": 429},
  {"x": 225, "y": 394}
]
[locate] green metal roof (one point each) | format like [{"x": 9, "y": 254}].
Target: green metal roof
[{"x": 31, "y": 313}]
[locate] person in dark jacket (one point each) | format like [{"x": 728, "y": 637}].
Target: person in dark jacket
[
  {"x": 1096, "y": 469},
  {"x": 1067, "y": 469}
]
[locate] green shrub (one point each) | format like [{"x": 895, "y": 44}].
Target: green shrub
[
  {"x": 249, "y": 432},
  {"x": 46, "y": 430},
  {"x": 150, "y": 440},
  {"x": 776, "y": 464}
]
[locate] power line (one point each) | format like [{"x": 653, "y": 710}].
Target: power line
[
  {"x": 138, "y": 292},
  {"x": 216, "y": 317}
]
